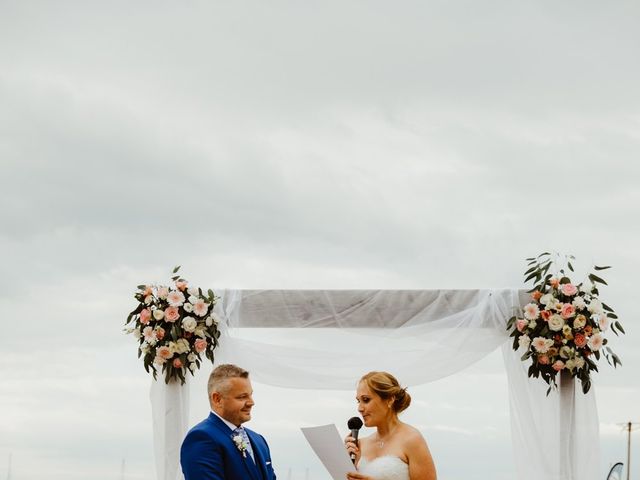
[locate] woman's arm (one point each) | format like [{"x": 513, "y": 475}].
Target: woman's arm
[{"x": 421, "y": 466}]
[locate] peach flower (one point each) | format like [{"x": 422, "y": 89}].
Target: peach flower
[
  {"x": 181, "y": 285},
  {"x": 521, "y": 323},
  {"x": 171, "y": 314},
  {"x": 543, "y": 359},
  {"x": 177, "y": 363},
  {"x": 558, "y": 365},
  {"x": 536, "y": 295},
  {"x": 160, "y": 333},
  {"x": 596, "y": 341},
  {"x": 200, "y": 308},
  {"x": 545, "y": 314},
  {"x": 175, "y": 298},
  {"x": 145, "y": 316},
  {"x": 165, "y": 352},
  {"x": 201, "y": 345},
  {"x": 580, "y": 340},
  {"x": 568, "y": 310},
  {"x": 554, "y": 282}
]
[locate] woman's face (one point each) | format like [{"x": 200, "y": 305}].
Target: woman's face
[{"x": 371, "y": 407}]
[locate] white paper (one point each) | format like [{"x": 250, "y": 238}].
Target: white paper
[{"x": 326, "y": 442}]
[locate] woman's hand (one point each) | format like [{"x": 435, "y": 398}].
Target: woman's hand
[{"x": 352, "y": 448}]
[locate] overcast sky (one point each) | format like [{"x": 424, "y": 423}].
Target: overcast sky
[{"x": 299, "y": 145}]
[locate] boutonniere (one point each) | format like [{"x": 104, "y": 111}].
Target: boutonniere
[{"x": 241, "y": 445}]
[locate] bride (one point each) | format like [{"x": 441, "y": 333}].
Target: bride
[{"x": 396, "y": 451}]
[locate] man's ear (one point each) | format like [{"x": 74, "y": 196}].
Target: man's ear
[{"x": 215, "y": 398}]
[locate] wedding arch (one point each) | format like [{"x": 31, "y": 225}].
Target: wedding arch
[{"x": 420, "y": 336}]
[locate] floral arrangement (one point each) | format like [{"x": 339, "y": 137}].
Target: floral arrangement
[
  {"x": 174, "y": 326},
  {"x": 563, "y": 328},
  {"x": 241, "y": 445}
]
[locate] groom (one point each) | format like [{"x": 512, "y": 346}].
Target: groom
[{"x": 219, "y": 448}]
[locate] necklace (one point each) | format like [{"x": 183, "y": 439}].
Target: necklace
[{"x": 381, "y": 441}]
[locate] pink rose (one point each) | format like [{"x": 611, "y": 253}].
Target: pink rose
[
  {"x": 201, "y": 345},
  {"x": 171, "y": 314},
  {"x": 545, "y": 314},
  {"x": 569, "y": 289},
  {"x": 181, "y": 285},
  {"x": 543, "y": 360},
  {"x": 567, "y": 310},
  {"x": 177, "y": 363},
  {"x": 521, "y": 323},
  {"x": 145, "y": 316},
  {"x": 580, "y": 340},
  {"x": 558, "y": 365}
]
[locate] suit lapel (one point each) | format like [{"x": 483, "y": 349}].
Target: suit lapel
[
  {"x": 248, "y": 463},
  {"x": 261, "y": 468}
]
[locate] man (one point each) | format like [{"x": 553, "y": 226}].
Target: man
[{"x": 219, "y": 448}]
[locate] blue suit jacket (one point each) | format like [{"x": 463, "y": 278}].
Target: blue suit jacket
[{"x": 209, "y": 453}]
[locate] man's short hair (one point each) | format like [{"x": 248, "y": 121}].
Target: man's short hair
[{"x": 218, "y": 378}]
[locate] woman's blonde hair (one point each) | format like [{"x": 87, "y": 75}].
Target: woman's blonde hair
[{"x": 386, "y": 386}]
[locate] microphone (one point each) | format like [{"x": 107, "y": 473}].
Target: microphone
[{"x": 354, "y": 424}]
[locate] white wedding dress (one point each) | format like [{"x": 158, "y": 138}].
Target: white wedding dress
[{"x": 386, "y": 467}]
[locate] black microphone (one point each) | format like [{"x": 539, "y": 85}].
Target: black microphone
[{"x": 354, "y": 424}]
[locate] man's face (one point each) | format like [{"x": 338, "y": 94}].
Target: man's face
[{"x": 235, "y": 402}]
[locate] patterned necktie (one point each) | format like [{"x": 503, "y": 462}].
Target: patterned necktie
[{"x": 245, "y": 439}]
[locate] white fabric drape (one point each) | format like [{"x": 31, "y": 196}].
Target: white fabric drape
[
  {"x": 170, "y": 414},
  {"x": 333, "y": 337},
  {"x": 554, "y": 437}
]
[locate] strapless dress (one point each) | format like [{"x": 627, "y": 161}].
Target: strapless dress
[{"x": 386, "y": 467}]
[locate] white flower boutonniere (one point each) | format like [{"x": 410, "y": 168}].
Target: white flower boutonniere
[{"x": 241, "y": 445}]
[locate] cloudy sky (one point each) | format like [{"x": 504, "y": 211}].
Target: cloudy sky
[{"x": 299, "y": 145}]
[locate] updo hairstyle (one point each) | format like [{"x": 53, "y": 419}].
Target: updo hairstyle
[{"x": 386, "y": 386}]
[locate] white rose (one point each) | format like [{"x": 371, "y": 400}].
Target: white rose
[
  {"x": 556, "y": 322},
  {"x": 532, "y": 325},
  {"x": 208, "y": 321},
  {"x": 570, "y": 364},
  {"x": 548, "y": 299},
  {"x": 586, "y": 287},
  {"x": 578, "y": 303},
  {"x": 193, "y": 367},
  {"x": 193, "y": 291},
  {"x": 595, "y": 306},
  {"x": 137, "y": 333},
  {"x": 173, "y": 347},
  {"x": 158, "y": 314},
  {"x": 188, "y": 307},
  {"x": 189, "y": 324},
  {"x": 579, "y": 362},
  {"x": 192, "y": 357},
  {"x": 565, "y": 352},
  {"x": 200, "y": 332},
  {"x": 193, "y": 299},
  {"x": 524, "y": 341},
  {"x": 183, "y": 345}
]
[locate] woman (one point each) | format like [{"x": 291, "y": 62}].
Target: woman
[{"x": 396, "y": 451}]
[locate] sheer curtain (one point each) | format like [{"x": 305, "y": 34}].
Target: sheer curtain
[{"x": 334, "y": 336}]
